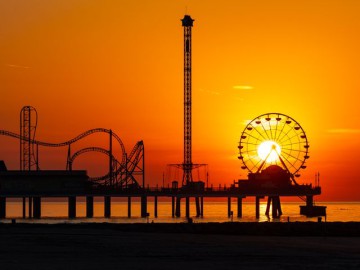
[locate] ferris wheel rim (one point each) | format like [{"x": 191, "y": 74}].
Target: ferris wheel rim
[{"x": 298, "y": 163}]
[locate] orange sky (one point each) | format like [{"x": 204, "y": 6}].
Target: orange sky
[{"x": 119, "y": 64}]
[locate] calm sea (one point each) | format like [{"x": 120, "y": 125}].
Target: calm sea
[{"x": 55, "y": 212}]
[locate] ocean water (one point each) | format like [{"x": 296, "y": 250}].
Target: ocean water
[{"x": 56, "y": 212}]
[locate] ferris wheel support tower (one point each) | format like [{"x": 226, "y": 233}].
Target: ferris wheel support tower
[{"x": 187, "y": 23}]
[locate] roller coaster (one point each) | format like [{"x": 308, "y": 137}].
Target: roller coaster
[{"x": 125, "y": 172}]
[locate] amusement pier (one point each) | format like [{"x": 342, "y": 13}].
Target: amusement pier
[{"x": 273, "y": 149}]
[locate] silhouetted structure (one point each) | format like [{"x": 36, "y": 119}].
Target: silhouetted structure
[
  {"x": 28, "y": 150},
  {"x": 187, "y": 23},
  {"x": 273, "y": 148}
]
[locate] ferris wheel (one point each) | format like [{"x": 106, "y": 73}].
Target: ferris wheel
[{"x": 273, "y": 139}]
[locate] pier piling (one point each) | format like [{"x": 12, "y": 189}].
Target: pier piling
[
  {"x": 239, "y": 207},
  {"x": 309, "y": 201},
  {"x": 89, "y": 206},
  {"x": 197, "y": 202},
  {"x": 229, "y": 206},
  {"x": 2, "y": 207},
  {"x": 156, "y": 206},
  {"x": 107, "y": 206},
  {"x": 172, "y": 206},
  {"x": 257, "y": 207},
  {"x": 178, "y": 207},
  {"x": 37, "y": 207},
  {"x": 274, "y": 209},
  {"x": 143, "y": 206},
  {"x": 187, "y": 206},
  {"x": 279, "y": 206},
  {"x": 267, "y": 211},
  {"x": 30, "y": 207},
  {"x": 129, "y": 207},
  {"x": 24, "y": 207},
  {"x": 71, "y": 206}
]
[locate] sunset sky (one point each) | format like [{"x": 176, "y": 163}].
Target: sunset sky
[{"x": 118, "y": 64}]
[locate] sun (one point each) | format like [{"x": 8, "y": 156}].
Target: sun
[{"x": 269, "y": 151}]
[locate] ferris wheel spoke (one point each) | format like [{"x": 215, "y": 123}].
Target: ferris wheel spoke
[
  {"x": 284, "y": 135},
  {"x": 271, "y": 133},
  {"x": 248, "y": 164},
  {"x": 294, "y": 143},
  {"x": 277, "y": 137},
  {"x": 290, "y": 138},
  {"x": 277, "y": 124},
  {"x": 267, "y": 135},
  {"x": 255, "y": 144},
  {"x": 290, "y": 163},
  {"x": 256, "y": 166},
  {"x": 258, "y": 132},
  {"x": 252, "y": 136},
  {"x": 250, "y": 150},
  {"x": 296, "y": 158},
  {"x": 295, "y": 150},
  {"x": 271, "y": 127}
]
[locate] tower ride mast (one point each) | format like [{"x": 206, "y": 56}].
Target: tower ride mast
[{"x": 187, "y": 23}]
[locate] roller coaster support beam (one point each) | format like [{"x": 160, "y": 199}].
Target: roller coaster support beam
[
  {"x": 143, "y": 166},
  {"x": 37, "y": 157},
  {"x": 110, "y": 160},
  {"x": 68, "y": 161}
]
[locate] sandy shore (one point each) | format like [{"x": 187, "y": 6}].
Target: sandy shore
[{"x": 179, "y": 246}]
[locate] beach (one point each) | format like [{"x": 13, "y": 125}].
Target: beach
[{"x": 180, "y": 246}]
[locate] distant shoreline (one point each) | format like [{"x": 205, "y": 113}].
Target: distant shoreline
[{"x": 330, "y": 229}]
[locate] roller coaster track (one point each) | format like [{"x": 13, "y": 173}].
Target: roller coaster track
[
  {"x": 134, "y": 159},
  {"x": 122, "y": 174},
  {"x": 123, "y": 170},
  {"x": 66, "y": 143},
  {"x": 116, "y": 164}
]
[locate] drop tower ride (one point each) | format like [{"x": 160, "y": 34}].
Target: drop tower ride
[{"x": 187, "y": 23}]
